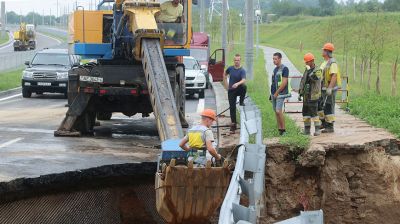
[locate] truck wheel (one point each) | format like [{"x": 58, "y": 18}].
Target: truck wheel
[
  {"x": 104, "y": 116},
  {"x": 201, "y": 94},
  {"x": 26, "y": 93}
]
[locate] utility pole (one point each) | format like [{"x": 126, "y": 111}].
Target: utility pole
[
  {"x": 240, "y": 27},
  {"x": 50, "y": 17},
  {"x": 43, "y": 18},
  {"x": 3, "y": 19},
  {"x": 249, "y": 38},
  {"x": 224, "y": 22},
  {"x": 202, "y": 15},
  {"x": 258, "y": 14}
]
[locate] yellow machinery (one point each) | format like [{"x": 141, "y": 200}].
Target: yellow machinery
[
  {"x": 139, "y": 70},
  {"x": 24, "y": 38}
]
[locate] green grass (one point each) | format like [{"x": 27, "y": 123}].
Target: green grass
[
  {"x": 379, "y": 110},
  {"x": 4, "y": 38},
  {"x": 258, "y": 90},
  {"x": 11, "y": 79}
]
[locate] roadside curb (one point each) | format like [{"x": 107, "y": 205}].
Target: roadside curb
[
  {"x": 10, "y": 92},
  {"x": 221, "y": 98}
]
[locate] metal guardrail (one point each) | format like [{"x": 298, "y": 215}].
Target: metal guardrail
[
  {"x": 250, "y": 161},
  {"x": 15, "y": 60}
]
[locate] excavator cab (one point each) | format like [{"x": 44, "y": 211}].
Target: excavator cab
[{"x": 172, "y": 20}]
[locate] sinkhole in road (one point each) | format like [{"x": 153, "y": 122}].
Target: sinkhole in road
[{"x": 110, "y": 194}]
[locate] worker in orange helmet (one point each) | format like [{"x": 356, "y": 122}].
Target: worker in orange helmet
[
  {"x": 330, "y": 84},
  {"x": 201, "y": 138},
  {"x": 310, "y": 90}
]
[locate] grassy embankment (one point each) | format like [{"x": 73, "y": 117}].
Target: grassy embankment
[
  {"x": 258, "y": 90},
  {"x": 361, "y": 35},
  {"x": 4, "y": 39},
  {"x": 11, "y": 79}
]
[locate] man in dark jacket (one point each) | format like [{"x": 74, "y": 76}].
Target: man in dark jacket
[
  {"x": 236, "y": 87},
  {"x": 310, "y": 90}
]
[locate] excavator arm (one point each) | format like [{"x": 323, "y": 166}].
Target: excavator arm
[{"x": 140, "y": 16}]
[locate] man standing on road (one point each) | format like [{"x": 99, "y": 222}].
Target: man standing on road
[
  {"x": 279, "y": 90},
  {"x": 236, "y": 87},
  {"x": 330, "y": 82},
  {"x": 310, "y": 90},
  {"x": 200, "y": 139}
]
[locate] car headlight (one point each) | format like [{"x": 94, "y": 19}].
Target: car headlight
[
  {"x": 26, "y": 74},
  {"x": 62, "y": 75},
  {"x": 201, "y": 77}
]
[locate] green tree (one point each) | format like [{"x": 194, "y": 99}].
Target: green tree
[
  {"x": 327, "y": 7},
  {"x": 391, "y": 5}
]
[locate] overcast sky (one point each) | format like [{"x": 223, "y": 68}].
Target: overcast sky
[{"x": 44, "y": 6}]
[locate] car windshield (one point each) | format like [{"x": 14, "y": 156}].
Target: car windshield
[
  {"x": 50, "y": 59},
  {"x": 190, "y": 64},
  {"x": 199, "y": 54}
]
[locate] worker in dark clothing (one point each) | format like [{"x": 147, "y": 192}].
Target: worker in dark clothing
[
  {"x": 310, "y": 90},
  {"x": 236, "y": 87}
]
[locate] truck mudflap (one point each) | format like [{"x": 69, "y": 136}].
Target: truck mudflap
[{"x": 76, "y": 109}]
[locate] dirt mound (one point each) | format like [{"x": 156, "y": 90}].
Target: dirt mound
[{"x": 351, "y": 186}]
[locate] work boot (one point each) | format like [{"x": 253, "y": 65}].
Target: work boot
[
  {"x": 307, "y": 130},
  {"x": 233, "y": 128},
  {"x": 317, "y": 130},
  {"x": 323, "y": 124},
  {"x": 329, "y": 128}
]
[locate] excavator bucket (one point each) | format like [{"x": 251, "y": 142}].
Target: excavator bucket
[{"x": 187, "y": 194}]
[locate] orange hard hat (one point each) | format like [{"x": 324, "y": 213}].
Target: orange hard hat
[
  {"x": 308, "y": 57},
  {"x": 328, "y": 47},
  {"x": 209, "y": 113}
]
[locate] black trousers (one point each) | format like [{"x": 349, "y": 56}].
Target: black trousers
[{"x": 232, "y": 97}]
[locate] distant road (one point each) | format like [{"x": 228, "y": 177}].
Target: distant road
[{"x": 42, "y": 40}]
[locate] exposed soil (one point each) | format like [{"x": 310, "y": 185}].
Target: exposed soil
[{"x": 360, "y": 185}]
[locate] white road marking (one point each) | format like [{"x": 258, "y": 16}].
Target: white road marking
[
  {"x": 10, "y": 97},
  {"x": 200, "y": 106},
  {"x": 10, "y": 142},
  {"x": 58, "y": 41},
  {"x": 27, "y": 130}
]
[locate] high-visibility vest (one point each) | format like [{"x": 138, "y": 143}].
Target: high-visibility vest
[
  {"x": 328, "y": 76},
  {"x": 197, "y": 137},
  {"x": 278, "y": 81}
]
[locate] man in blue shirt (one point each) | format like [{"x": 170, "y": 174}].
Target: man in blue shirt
[
  {"x": 236, "y": 87},
  {"x": 279, "y": 90}
]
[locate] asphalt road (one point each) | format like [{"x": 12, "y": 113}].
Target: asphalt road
[{"x": 29, "y": 149}]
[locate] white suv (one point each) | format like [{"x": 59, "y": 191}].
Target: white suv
[{"x": 195, "y": 81}]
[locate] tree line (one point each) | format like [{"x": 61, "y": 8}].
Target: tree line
[{"x": 327, "y": 7}]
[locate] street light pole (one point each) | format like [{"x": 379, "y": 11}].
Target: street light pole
[
  {"x": 258, "y": 14},
  {"x": 240, "y": 27},
  {"x": 224, "y": 22},
  {"x": 249, "y": 38}
]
